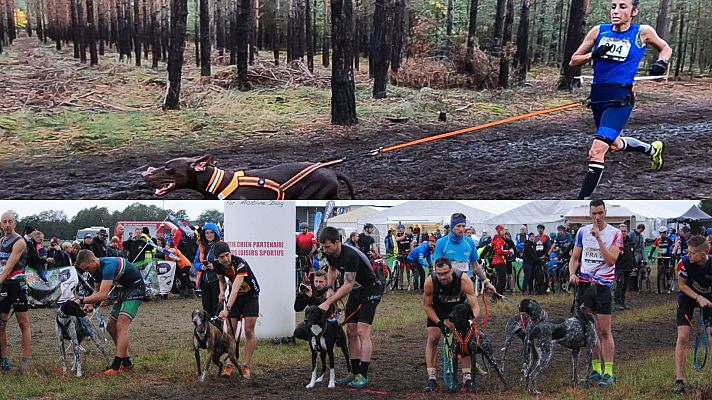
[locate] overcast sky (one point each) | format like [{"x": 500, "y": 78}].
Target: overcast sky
[{"x": 196, "y": 207}]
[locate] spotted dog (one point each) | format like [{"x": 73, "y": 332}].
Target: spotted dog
[
  {"x": 324, "y": 336},
  {"x": 530, "y": 314},
  {"x": 471, "y": 341},
  {"x": 68, "y": 326},
  {"x": 575, "y": 333},
  {"x": 207, "y": 335}
]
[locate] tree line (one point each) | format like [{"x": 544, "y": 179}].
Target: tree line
[
  {"x": 515, "y": 35},
  {"x": 56, "y": 223}
]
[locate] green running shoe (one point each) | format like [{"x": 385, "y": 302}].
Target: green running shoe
[
  {"x": 346, "y": 380},
  {"x": 595, "y": 377},
  {"x": 359, "y": 382},
  {"x": 607, "y": 381},
  {"x": 656, "y": 159}
]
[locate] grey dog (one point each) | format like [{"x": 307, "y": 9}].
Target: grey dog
[
  {"x": 69, "y": 327},
  {"x": 575, "y": 333},
  {"x": 530, "y": 314}
]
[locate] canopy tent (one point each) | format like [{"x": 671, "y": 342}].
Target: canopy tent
[
  {"x": 428, "y": 215},
  {"x": 694, "y": 214},
  {"x": 349, "y": 221}
]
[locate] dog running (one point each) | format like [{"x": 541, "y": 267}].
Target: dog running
[
  {"x": 530, "y": 314},
  {"x": 324, "y": 336},
  {"x": 290, "y": 181},
  {"x": 69, "y": 327},
  {"x": 575, "y": 333},
  {"x": 208, "y": 336},
  {"x": 473, "y": 342}
]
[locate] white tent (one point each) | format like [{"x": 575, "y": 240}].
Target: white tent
[
  {"x": 427, "y": 214},
  {"x": 349, "y": 221}
]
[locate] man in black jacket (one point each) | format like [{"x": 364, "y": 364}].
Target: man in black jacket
[
  {"x": 529, "y": 260},
  {"x": 624, "y": 266},
  {"x": 98, "y": 244},
  {"x": 314, "y": 294}
]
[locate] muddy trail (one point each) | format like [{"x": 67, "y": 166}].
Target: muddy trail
[
  {"x": 542, "y": 158},
  {"x": 398, "y": 366}
]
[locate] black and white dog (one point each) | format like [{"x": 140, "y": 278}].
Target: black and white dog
[
  {"x": 575, "y": 333},
  {"x": 530, "y": 315},
  {"x": 324, "y": 336},
  {"x": 69, "y": 327},
  {"x": 471, "y": 342}
]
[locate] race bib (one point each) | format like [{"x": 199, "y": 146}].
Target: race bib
[
  {"x": 618, "y": 52},
  {"x": 539, "y": 247},
  {"x": 593, "y": 256},
  {"x": 461, "y": 266}
]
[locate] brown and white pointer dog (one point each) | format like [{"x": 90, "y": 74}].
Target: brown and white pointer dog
[
  {"x": 202, "y": 175},
  {"x": 208, "y": 336}
]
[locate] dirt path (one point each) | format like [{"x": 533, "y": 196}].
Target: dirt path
[
  {"x": 541, "y": 158},
  {"x": 398, "y": 367}
]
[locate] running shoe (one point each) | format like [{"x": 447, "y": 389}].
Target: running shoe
[
  {"x": 25, "y": 364},
  {"x": 594, "y": 377},
  {"x": 359, "y": 382},
  {"x": 467, "y": 385},
  {"x": 5, "y": 365},
  {"x": 656, "y": 159},
  {"x": 246, "y": 372},
  {"x": 678, "y": 388},
  {"x": 432, "y": 385},
  {"x": 111, "y": 371},
  {"x": 345, "y": 381},
  {"x": 227, "y": 371},
  {"x": 126, "y": 368},
  {"x": 607, "y": 381}
]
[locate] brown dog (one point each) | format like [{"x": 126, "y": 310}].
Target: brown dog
[
  {"x": 210, "y": 337},
  {"x": 316, "y": 182}
]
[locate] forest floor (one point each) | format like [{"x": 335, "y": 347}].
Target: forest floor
[
  {"x": 161, "y": 348},
  {"x": 81, "y": 132}
]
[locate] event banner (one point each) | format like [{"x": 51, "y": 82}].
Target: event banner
[{"x": 262, "y": 233}]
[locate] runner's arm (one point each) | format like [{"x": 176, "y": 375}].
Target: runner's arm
[
  {"x": 234, "y": 289},
  {"x": 583, "y": 54},
  {"x": 428, "y": 300},
  {"x": 99, "y": 295},
  {"x": 610, "y": 255},
  {"x": 17, "y": 249},
  {"x": 574, "y": 261},
  {"x": 650, "y": 36},
  {"x": 349, "y": 279}
]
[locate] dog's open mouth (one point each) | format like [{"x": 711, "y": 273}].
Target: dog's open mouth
[{"x": 165, "y": 188}]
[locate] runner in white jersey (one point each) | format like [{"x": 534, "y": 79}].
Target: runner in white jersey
[{"x": 597, "y": 247}]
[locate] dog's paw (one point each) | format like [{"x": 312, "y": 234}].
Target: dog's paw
[
  {"x": 203, "y": 376},
  {"x": 320, "y": 379},
  {"x": 332, "y": 384},
  {"x": 311, "y": 385}
]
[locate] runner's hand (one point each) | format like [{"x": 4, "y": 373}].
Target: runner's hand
[
  {"x": 221, "y": 298},
  {"x": 324, "y": 306},
  {"x": 88, "y": 308},
  {"x": 596, "y": 232},
  {"x": 223, "y": 314},
  {"x": 490, "y": 287},
  {"x": 574, "y": 280},
  {"x": 658, "y": 68},
  {"x": 601, "y": 50},
  {"x": 443, "y": 325},
  {"x": 703, "y": 302}
]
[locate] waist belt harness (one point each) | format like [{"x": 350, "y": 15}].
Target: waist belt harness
[
  {"x": 239, "y": 179},
  {"x": 628, "y": 100}
]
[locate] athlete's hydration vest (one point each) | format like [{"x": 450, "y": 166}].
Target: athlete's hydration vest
[{"x": 620, "y": 64}]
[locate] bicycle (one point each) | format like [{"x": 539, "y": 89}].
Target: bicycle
[
  {"x": 393, "y": 276},
  {"x": 561, "y": 281},
  {"x": 664, "y": 271}
]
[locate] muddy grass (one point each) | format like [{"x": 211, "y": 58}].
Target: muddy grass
[{"x": 111, "y": 129}]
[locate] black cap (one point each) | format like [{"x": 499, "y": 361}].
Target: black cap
[
  {"x": 145, "y": 231},
  {"x": 220, "y": 248},
  {"x": 102, "y": 232}
]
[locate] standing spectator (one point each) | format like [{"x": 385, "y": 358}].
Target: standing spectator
[
  {"x": 56, "y": 257},
  {"x": 188, "y": 245},
  {"x": 474, "y": 236},
  {"x": 638, "y": 244},
  {"x": 543, "y": 243},
  {"x": 499, "y": 261},
  {"x": 624, "y": 266},
  {"x": 114, "y": 250},
  {"x": 149, "y": 251},
  {"x": 446, "y": 230},
  {"x": 86, "y": 243},
  {"x": 73, "y": 251},
  {"x": 98, "y": 245},
  {"x": 366, "y": 242},
  {"x": 389, "y": 242},
  {"x": 33, "y": 258},
  {"x": 438, "y": 234},
  {"x": 182, "y": 269},
  {"x": 67, "y": 249},
  {"x": 134, "y": 247},
  {"x": 42, "y": 253},
  {"x": 204, "y": 260},
  {"x": 485, "y": 239},
  {"x": 420, "y": 259},
  {"x": 120, "y": 234},
  {"x": 519, "y": 240},
  {"x": 352, "y": 240},
  {"x": 306, "y": 248},
  {"x": 509, "y": 245},
  {"x": 529, "y": 260}
]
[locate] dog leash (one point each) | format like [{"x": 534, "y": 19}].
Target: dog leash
[
  {"x": 448, "y": 373},
  {"x": 352, "y": 314},
  {"x": 699, "y": 338}
]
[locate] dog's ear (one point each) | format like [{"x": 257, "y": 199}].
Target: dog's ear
[
  {"x": 200, "y": 164},
  {"x": 470, "y": 315}
]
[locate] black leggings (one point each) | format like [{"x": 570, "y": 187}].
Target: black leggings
[
  {"x": 501, "y": 270},
  {"x": 184, "y": 278},
  {"x": 209, "y": 296},
  {"x": 418, "y": 272}
]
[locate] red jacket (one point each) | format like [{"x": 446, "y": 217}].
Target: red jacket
[{"x": 500, "y": 253}]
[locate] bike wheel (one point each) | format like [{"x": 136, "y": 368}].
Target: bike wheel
[{"x": 519, "y": 278}]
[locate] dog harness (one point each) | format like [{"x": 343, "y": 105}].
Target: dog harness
[
  {"x": 463, "y": 342},
  {"x": 239, "y": 179}
]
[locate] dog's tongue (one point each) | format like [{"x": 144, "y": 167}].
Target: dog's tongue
[{"x": 163, "y": 190}]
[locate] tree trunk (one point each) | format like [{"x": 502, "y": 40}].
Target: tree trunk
[
  {"x": 196, "y": 31},
  {"x": 554, "y": 42},
  {"x": 176, "y": 47},
  {"x": 681, "y": 30},
  {"x": 91, "y": 33},
  {"x": 275, "y": 36},
  {"x": 357, "y": 34},
  {"x": 448, "y": 27},
  {"x": 155, "y": 29},
  {"x": 533, "y": 23},
  {"x": 243, "y": 32},
  {"x": 204, "y": 38},
  {"x": 165, "y": 31},
  {"x": 662, "y": 24},
  {"x": 541, "y": 49},
  {"x": 82, "y": 32},
  {"x": 506, "y": 48},
  {"x": 75, "y": 27},
  {"x": 343, "y": 98},
  {"x": 102, "y": 26},
  {"x": 325, "y": 41},
  {"x": 522, "y": 59},
  {"x": 398, "y": 32},
  {"x": 380, "y": 73},
  {"x": 498, "y": 27},
  {"x": 138, "y": 32},
  {"x": 574, "y": 36},
  {"x": 252, "y": 32},
  {"x": 28, "y": 17},
  {"x": 471, "y": 37},
  {"x": 309, "y": 36},
  {"x": 145, "y": 22},
  {"x": 379, "y": 16}
]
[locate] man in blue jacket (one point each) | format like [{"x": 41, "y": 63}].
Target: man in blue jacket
[{"x": 420, "y": 258}]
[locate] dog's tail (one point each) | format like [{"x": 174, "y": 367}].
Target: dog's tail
[{"x": 343, "y": 178}]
